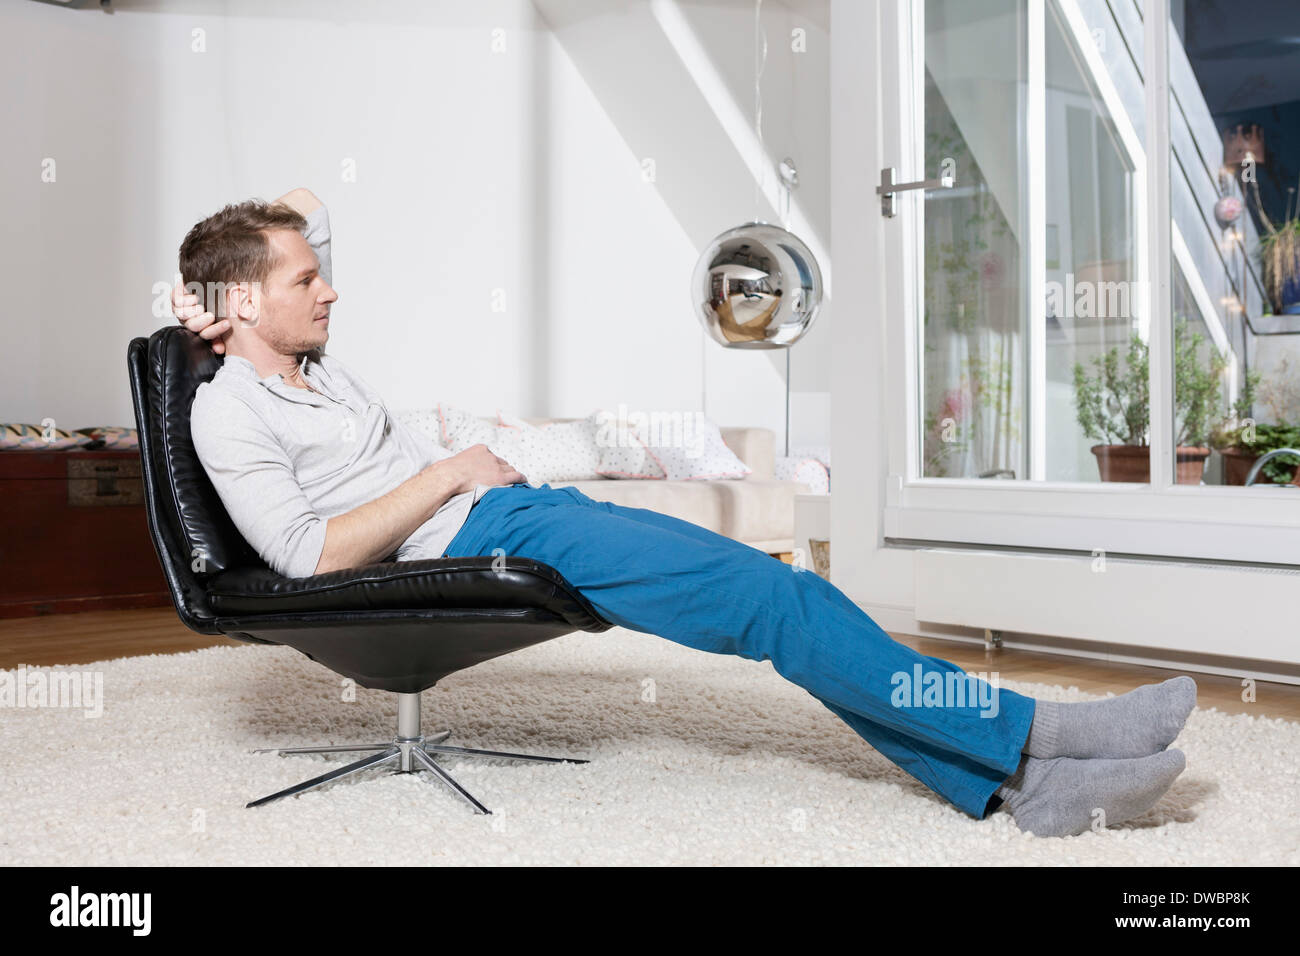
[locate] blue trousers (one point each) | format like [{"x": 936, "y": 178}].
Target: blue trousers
[{"x": 661, "y": 575}]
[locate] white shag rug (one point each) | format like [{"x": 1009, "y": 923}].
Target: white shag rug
[{"x": 696, "y": 758}]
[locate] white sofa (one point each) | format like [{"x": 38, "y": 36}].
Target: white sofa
[{"x": 757, "y": 509}]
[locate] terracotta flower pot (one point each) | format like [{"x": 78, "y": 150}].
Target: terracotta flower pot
[
  {"x": 1237, "y": 462},
  {"x": 1123, "y": 462},
  {"x": 1189, "y": 466},
  {"x": 1133, "y": 463}
]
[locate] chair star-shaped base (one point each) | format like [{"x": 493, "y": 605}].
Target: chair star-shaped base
[{"x": 410, "y": 752}]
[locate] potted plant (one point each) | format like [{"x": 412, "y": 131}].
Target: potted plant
[
  {"x": 1279, "y": 259},
  {"x": 1241, "y": 440},
  {"x": 1114, "y": 408},
  {"x": 1234, "y": 438},
  {"x": 1244, "y": 444}
]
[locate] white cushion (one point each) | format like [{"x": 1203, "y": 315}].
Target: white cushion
[
  {"x": 704, "y": 457},
  {"x": 671, "y": 446},
  {"x": 663, "y": 446},
  {"x": 623, "y": 452},
  {"x": 422, "y": 420},
  {"x": 562, "y": 451},
  {"x": 808, "y": 471},
  {"x": 460, "y": 429}
]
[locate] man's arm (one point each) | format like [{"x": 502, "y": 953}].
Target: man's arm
[
  {"x": 371, "y": 532},
  {"x": 305, "y": 203},
  {"x": 185, "y": 305},
  {"x": 256, "y": 482}
]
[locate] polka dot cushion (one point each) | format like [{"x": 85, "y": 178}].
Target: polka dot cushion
[
  {"x": 664, "y": 445},
  {"x": 810, "y": 471},
  {"x": 677, "y": 446},
  {"x": 560, "y": 451},
  {"x": 623, "y": 452},
  {"x": 423, "y": 420},
  {"x": 460, "y": 429}
]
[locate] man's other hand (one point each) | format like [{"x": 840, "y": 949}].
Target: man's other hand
[
  {"x": 186, "y": 308},
  {"x": 476, "y": 465}
]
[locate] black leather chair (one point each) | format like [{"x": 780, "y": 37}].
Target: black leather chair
[{"x": 397, "y": 626}]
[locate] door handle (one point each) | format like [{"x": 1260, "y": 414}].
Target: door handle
[{"x": 888, "y": 189}]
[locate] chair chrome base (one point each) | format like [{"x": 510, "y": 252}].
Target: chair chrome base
[{"x": 410, "y": 751}]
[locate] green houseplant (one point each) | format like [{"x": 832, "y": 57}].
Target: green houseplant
[
  {"x": 1243, "y": 444},
  {"x": 1279, "y": 259},
  {"x": 1238, "y": 439},
  {"x": 1241, "y": 440},
  {"x": 1114, "y": 407}
]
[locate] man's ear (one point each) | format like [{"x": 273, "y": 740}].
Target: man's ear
[{"x": 243, "y": 303}]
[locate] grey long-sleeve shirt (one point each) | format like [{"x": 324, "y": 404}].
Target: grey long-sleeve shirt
[{"x": 284, "y": 460}]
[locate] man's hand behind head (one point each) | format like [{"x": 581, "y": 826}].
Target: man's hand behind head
[{"x": 186, "y": 308}]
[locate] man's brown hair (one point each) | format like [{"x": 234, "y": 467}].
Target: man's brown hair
[{"x": 232, "y": 246}]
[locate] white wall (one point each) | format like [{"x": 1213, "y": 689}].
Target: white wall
[
  {"x": 475, "y": 171},
  {"x": 635, "y": 70}
]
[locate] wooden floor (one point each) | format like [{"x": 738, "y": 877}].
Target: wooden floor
[{"x": 103, "y": 635}]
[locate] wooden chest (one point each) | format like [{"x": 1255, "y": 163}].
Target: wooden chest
[{"x": 73, "y": 534}]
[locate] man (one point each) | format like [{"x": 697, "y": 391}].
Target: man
[{"x": 317, "y": 476}]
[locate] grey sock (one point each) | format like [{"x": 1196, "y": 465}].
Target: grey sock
[
  {"x": 1062, "y": 796},
  {"x": 1141, "y": 722}
]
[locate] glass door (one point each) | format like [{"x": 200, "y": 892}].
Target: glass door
[
  {"x": 1079, "y": 329},
  {"x": 1000, "y": 338}
]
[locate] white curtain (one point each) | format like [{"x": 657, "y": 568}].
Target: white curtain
[{"x": 976, "y": 382}]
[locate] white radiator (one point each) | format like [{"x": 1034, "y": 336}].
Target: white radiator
[{"x": 1236, "y": 612}]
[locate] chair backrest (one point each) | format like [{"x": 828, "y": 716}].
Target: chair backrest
[{"x": 191, "y": 529}]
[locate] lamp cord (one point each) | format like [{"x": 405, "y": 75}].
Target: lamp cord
[
  {"x": 760, "y": 64},
  {"x": 787, "y": 401}
]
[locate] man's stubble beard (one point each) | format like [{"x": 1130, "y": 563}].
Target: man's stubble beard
[{"x": 298, "y": 349}]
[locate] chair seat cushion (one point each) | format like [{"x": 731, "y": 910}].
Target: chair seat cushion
[{"x": 465, "y": 583}]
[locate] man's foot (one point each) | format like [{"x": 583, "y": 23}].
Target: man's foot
[
  {"x": 1141, "y": 722},
  {"x": 1062, "y": 796}
]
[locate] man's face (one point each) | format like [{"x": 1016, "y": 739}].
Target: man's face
[{"x": 290, "y": 311}]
